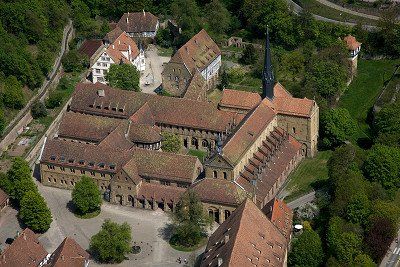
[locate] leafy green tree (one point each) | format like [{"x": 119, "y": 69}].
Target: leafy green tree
[
  {"x": 86, "y": 196},
  {"x": 112, "y": 243},
  {"x": 387, "y": 125},
  {"x": 307, "y": 250},
  {"x": 218, "y": 17},
  {"x": 387, "y": 210},
  {"x": 383, "y": 165},
  {"x": 21, "y": 187},
  {"x": 73, "y": 61},
  {"x": 337, "y": 126},
  {"x": 3, "y": 123},
  {"x": 13, "y": 95},
  {"x": 189, "y": 221},
  {"x": 34, "y": 212},
  {"x": 164, "y": 38},
  {"x": 171, "y": 142},
  {"x": 363, "y": 260},
  {"x": 349, "y": 247},
  {"x": 38, "y": 110},
  {"x": 249, "y": 55},
  {"x": 224, "y": 80},
  {"x": 124, "y": 76},
  {"x": 379, "y": 236},
  {"x": 358, "y": 209},
  {"x": 54, "y": 100},
  {"x": 187, "y": 15}
]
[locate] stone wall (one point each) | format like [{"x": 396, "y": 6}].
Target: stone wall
[{"x": 175, "y": 78}]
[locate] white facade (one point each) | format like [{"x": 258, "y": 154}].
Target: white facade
[
  {"x": 212, "y": 69},
  {"x": 103, "y": 63}
]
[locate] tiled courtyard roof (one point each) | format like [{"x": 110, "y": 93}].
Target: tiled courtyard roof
[
  {"x": 239, "y": 99},
  {"x": 246, "y": 239},
  {"x": 144, "y": 133},
  {"x": 138, "y": 22},
  {"x": 25, "y": 250},
  {"x": 198, "y": 52},
  {"x": 219, "y": 191},
  {"x": 124, "y": 43}
]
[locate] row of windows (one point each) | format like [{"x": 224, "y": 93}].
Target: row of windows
[
  {"x": 107, "y": 108},
  {"x": 81, "y": 162},
  {"x": 105, "y": 58},
  {"x": 215, "y": 175},
  {"x": 92, "y": 173},
  {"x": 99, "y": 71},
  {"x": 101, "y": 64}
]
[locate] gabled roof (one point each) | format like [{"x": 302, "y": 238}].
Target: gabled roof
[
  {"x": 124, "y": 43},
  {"x": 160, "y": 193},
  {"x": 113, "y": 35},
  {"x": 198, "y": 52},
  {"x": 68, "y": 254},
  {"x": 138, "y": 22},
  {"x": 247, "y": 132},
  {"x": 280, "y": 215},
  {"x": 239, "y": 99},
  {"x": 196, "y": 90},
  {"x": 351, "y": 42},
  {"x": 219, "y": 191},
  {"x": 144, "y": 133},
  {"x": 25, "y": 250},
  {"x": 246, "y": 239},
  {"x": 284, "y": 103},
  {"x": 90, "y": 46}
]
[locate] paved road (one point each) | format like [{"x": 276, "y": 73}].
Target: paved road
[
  {"x": 9, "y": 225},
  {"x": 392, "y": 257},
  {"x": 302, "y": 200},
  {"x": 151, "y": 78},
  {"x": 346, "y": 10}
]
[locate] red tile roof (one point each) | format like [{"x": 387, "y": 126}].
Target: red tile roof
[
  {"x": 24, "y": 251},
  {"x": 196, "y": 90},
  {"x": 198, "y": 52},
  {"x": 125, "y": 43},
  {"x": 219, "y": 191},
  {"x": 160, "y": 193},
  {"x": 247, "y": 132},
  {"x": 144, "y": 133},
  {"x": 193, "y": 114},
  {"x": 239, "y": 99},
  {"x": 68, "y": 254},
  {"x": 280, "y": 215},
  {"x": 351, "y": 42},
  {"x": 89, "y": 47},
  {"x": 113, "y": 34},
  {"x": 246, "y": 239},
  {"x": 3, "y": 197},
  {"x": 138, "y": 22}
]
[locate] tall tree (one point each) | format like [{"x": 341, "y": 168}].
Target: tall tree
[
  {"x": 387, "y": 125},
  {"x": 13, "y": 95},
  {"x": 218, "y": 17},
  {"x": 34, "y": 212},
  {"x": 86, "y": 196},
  {"x": 124, "y": 76},
  {"x": 112, "y": 243},
  {"x": 307, "y": 250},
  {"x": 189, "y": 220},
  {"x": 187, "y": 14},
  {"x": 171, "y": 142}
]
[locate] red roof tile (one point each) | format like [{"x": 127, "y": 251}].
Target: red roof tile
[
  {"x": 24, "y": 251},
  {"x": 138, "y": 22},
  {"x": 68, "y": 254},
  {"x": 113, "y": 34},
  {"x": 246, "y": 239},
  {"x": 239, "y": 99},
  {"x": 280, "y": 215},
  {"x": 160, "y": 193},
  {"x": 351, "y": 42},
  {"x": 89, "y": 47}
]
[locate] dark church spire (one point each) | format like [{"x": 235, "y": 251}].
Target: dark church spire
[{"x": 268, "y": 79}]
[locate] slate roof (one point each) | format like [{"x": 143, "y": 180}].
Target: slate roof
[
  {"x": 90, "y": 46},
  {"x": 138, "y": 22},
  {"x": 123, "y": 104},
  {"x": 246, "y": 239},
  {"x": 197, "y": 53},
  {"x": 239, "y": 99},
  {"x": 25, "y": 250},
  {"x": 219, "y": 191},
  {"x": 3, "y": 197},
  {"x": 68, "y": 254},
  {"x": 247, "y": 132}
]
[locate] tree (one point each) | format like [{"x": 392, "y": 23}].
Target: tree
[
  {"x": 2, "y": 122},
  {"x": 379, "y": 237},
  {"x": 383, "y": 166},
  {"x": 224, "y": 80},
  {"x": 54, "y": 100},
  {"x": 363, "y": 260},
  {"x": 73, "y": 61},
  {"x": 34, "y": 212},
  {"x": 38, "y": 110},
  {"x": 189, "y": 221},
  {"x": 387, "y": 210},
  {"x": 358, "y": 209},
  {"x": 164, "y": 38},
  {"x": 187, "y": 14},
  {"x": 171, "y": 142},
  {"x": 249, "y": 55},
  {"x": 337, "y": 126},
  {"x": 307, "y": 250},
  {"x": 387, "y": 125},
  {"x": 218, "y": 17},
  {"x": 86, "y": 196},
  {"x": 13, "y": 95},
  {"x": 112, "y": 243},
  {"x": 124, "y": 76}
]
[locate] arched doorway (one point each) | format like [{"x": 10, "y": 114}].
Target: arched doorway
[
  {"x": 130, "y": 200},
  {"x": 195, "y": 143},
  {"x": 214, "y": 213},
  {"x": 204, "y": 143},
  {"x": 118, "y": 199},
  {"x": 227, "y": 214}
]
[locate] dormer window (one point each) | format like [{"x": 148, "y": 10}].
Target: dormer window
[
  {"x": 81, "y": 162},
  {"x": 62, "y": 158},
  {"x": 91, "y": 164},
  {"x": 71, "y": 161},
  {"x": 106, "y": 108},
  {"x": 121, "y": 110},
  {"x": 112, "y": 167},
  {"x": 91, "y": 106},
  {"x": 101, "y": 165},
  {"x": 98, "y": 107},
  {"x": 53, "y": 157},
  {"x": 114, "y": 109}
]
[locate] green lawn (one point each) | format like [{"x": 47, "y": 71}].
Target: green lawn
[
  {"x": 202, "y": 243},
  {"x": 364, "y": 90},
  {"x": 322, "y": 10},
  {"x": 165, "y": 52},
  {"x": 307, "y": 175},
  {"x": 198, "y": 153}
]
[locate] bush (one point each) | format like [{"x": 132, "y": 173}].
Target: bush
[
  {"x": 124, "y": 76},
  {"x": 249, "y": 55},
  {"x": 73, "y": 61},
  {"x": 55, "y": 99},
  {"x": 171, "y": 143},
  {"x": 38, "y": 110}
]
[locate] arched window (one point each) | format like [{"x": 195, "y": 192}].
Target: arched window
[
  {"x": 294, "y": 130},
  {"x": 225, "y": 175},
  {"x": 204, "y": 143},
  {"x": 215, "y": 174}
]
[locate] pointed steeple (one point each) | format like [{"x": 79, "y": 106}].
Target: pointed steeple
[{"x": 268, "y": 79}]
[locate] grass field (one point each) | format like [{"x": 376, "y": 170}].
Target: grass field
[
  {"x": 307, "y": 175},
  {"x": 364, "y": 90},
  {"x": 331, "y": 13},
  {"x": 198, "y": 153}
]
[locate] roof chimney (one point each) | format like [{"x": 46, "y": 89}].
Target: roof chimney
[
  {"x": 24, "y": 236},
  {"x": 226, "y": 239},
  {"x": 127, "y": 18},
  {"x": 144, "y": 13},
  {"x": 101, "y": 92},
  {"x": 220, "y": 261}
]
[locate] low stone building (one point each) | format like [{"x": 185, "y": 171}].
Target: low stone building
[
  {"x": 249, "y": 238},
  {"x": 200, "y": 54}
]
